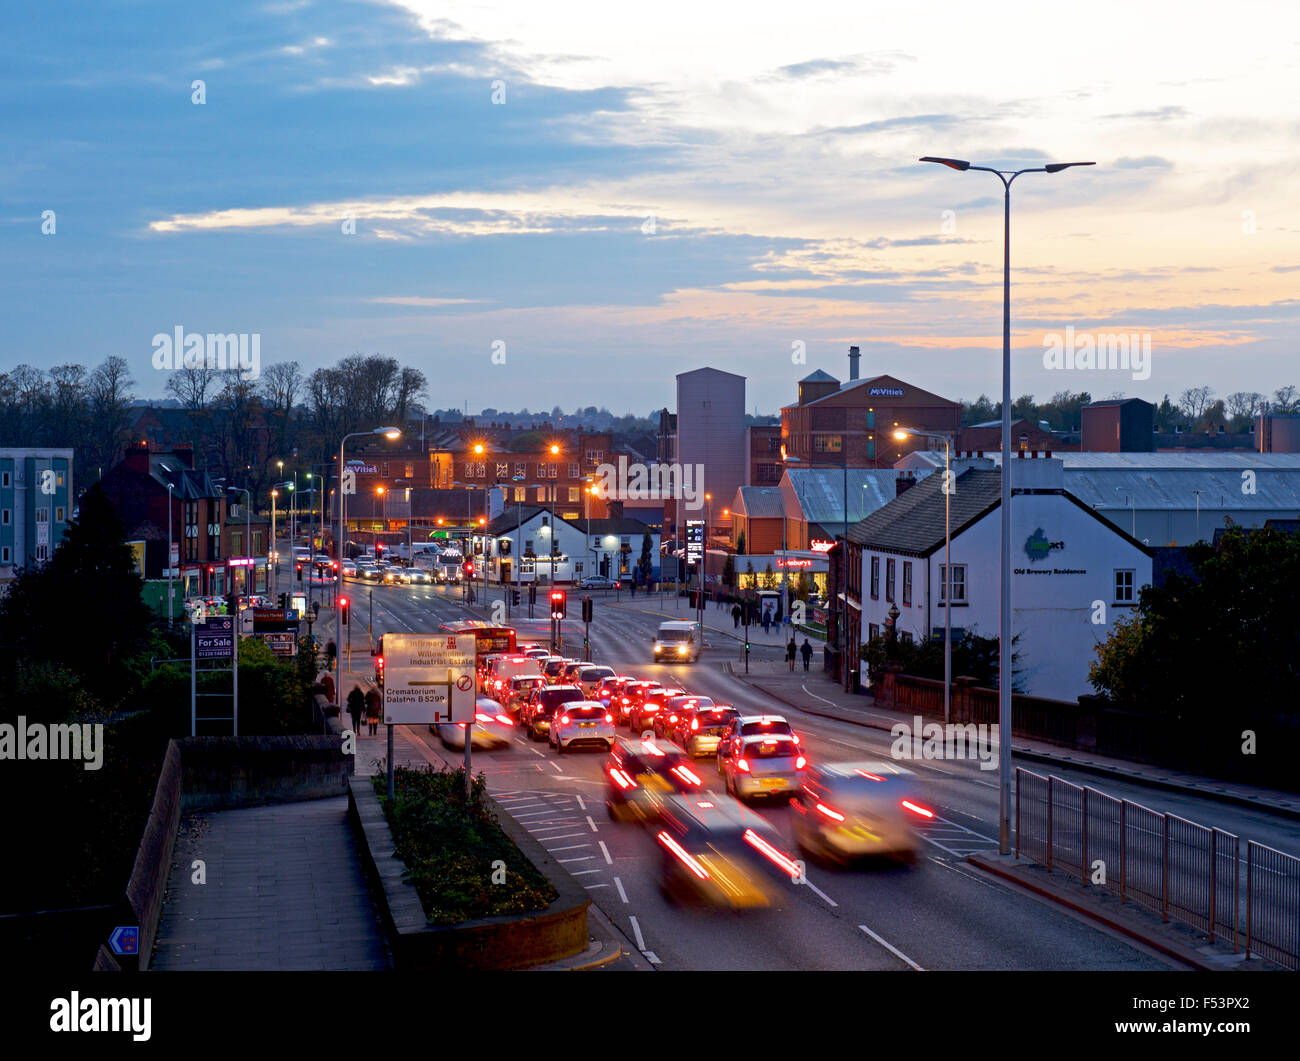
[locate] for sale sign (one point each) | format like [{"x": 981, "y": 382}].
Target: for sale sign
[{"x": 428, "y": 678}]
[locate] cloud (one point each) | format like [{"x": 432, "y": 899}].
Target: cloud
[
  {"x": 874, "y": 65},
  {"x": 1142, "y": 162},
  {"x": 1156, "y": 114}
]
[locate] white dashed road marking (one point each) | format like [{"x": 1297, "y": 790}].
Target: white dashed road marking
[{"x": 892, "y": 949}]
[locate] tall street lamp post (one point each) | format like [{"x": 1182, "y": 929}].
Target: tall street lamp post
[
  {"x": 1004, "y": 604},
  {"x": 389, "y": 433},
  {"x": 170, "y": 487}
]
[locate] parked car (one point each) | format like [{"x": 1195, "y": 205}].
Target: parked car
[{"x": 597, "y": 582}]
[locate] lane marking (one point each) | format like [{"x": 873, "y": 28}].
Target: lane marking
[
  {"x": 557, "y": 767},
  {"x": 571, "y": 847},
  {"x": 621, "y": 893},
  {"x": 591, "y": 887},
  {"x": 534, "y": 751},
  {"x": 892, "y": 949},
  {"x": 636, "y": 929},
  {"x": 809, "y": 884},
  {"x": 609, "y": 861},
  {"x": 821, "y": 698},
  {"x": 564, "y": 836},
  {"x": 591, "y": 823},
  {"x": 651, "y": 957},
  {"x": 576, "y": 858}
]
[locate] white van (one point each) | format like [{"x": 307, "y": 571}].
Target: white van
[
  {"x": 500, "y": 669},
  {"x": 677, "y": 640}
]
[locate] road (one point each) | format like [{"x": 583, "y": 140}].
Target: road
[{"x": 939, "y": 914}]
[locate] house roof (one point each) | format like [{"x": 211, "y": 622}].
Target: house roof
[
  {"x": 913, "y": 523},
  {"x": 762, "y": 502},
  {"x": 821, "y": 493},
  {"x": 616, "y": 525},
  {"x": 510, "y": 519},
  {"x": 819, "y": 377},
  {"x": 914, "y": 394}
]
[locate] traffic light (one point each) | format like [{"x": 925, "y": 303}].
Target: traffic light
[
  {"x": 469, "y": 569},
  {"x": 345, "y": 606},
  {"x": 514, "y": 597},
  {"x": 299, "y": 567},
  {"x": 559, "y": 602},
  {"x": 586, "y": 609},
  {"x": 284, "y": 601},
  {"x": 379, "y": 671}
]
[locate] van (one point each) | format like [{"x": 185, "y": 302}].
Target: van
[
  {"x": 496, "y": 678},
  {"x": 677, "y": 640}
]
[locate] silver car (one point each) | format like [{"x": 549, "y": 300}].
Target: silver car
[
  {"x": 762, "y": 766},
  {"x": 582, "y": 722}
]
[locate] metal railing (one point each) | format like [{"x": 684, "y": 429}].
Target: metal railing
[{"x": 1168, "y": 865}]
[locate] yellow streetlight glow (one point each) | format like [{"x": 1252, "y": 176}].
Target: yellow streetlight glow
[
  {"x": 901, "y": 435},
  {"x": 478, "y": 447},
  {"x": 554, "y": 450}
]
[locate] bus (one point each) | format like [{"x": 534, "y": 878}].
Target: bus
[{"x": 489, "y": 637}]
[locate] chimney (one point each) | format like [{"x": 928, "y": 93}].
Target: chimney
[{"x": 853, "y": 363}]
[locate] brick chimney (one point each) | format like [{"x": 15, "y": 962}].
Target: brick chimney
[{"x": 853, "y": 363}]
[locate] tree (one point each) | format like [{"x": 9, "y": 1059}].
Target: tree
[
  {"x": 1167, "y": 416},
  {"x": 646, "y": 563},
  {"x": 769, "y": 577},
  {"x": 980, "y": 411},
  {"x": 749, "y": 575},
  {"x": 1192, "y": 403},
  {"x": 92, "y": 563},
  {"x": 1286, "y": 400},
  {"x": 740, "y": 543},
  {"x": 729, "y": 571}
]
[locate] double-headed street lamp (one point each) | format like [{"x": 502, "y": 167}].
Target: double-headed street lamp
[
  {"x": 1004, "y": 644},
  {"x": 389, "y": 433},
  {"x": 902, "y": 434}
]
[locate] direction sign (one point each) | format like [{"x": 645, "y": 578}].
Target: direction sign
[
  {"x": 125, "y": 939},
  {"x": 428, "y": 678},
  {"x": 215, "y": 639},
  {"x": 281, "y": 644}
]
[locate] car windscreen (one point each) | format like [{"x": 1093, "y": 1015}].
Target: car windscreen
[
  {"x": 525, "y": 683},
  {"x": 674, "y": 635}
]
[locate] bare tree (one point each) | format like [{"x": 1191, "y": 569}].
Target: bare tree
[
  {"x": 1285, "y": 400},
  {"x": 110, "y": 399},
  {"x": 1193, "y": 401}
]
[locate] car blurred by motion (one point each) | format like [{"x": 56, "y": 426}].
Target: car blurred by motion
[
  {"x": 492, "y": 727},
  {"x": 716, "y": 852},
  {"x": 639, "y": 774},
  {"x": 766, "y": 766},
  {"x": 581, "y": 723},
  {"x": 844, "y": 811}
]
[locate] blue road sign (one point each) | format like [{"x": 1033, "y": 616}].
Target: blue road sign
[{"x": 125, "y": 939}]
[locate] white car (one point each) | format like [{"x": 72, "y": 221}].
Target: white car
[{"x": 582, "y": 722}]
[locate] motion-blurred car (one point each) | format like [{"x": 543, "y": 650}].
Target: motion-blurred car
[
  {"x": 700, "y": 728},
  {"x": 844, "y": 811},
  {"x": 753, "y": 726},
  {"x": 580, "y": 723},
  {"x": 762, "y": 766},
  {"x": 717, "y": 852},
  {"x": 542, "y": 704},
  {"x": 491, "y": 729},
  {"x": 639, "y": 774}
]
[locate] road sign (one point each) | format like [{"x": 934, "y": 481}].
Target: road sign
[
  {"x": 282, "y": 644},
  {"x": 429, "y": 678},
  {"x": 125, "y": 940},
  {"x": 694, "y": 540},
  {"x": 215, "y": 639},
  {"x": 274, "y": 620}
]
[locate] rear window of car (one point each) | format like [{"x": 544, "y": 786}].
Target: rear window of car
[
  {"x": 595, "y": 674},
  {"x": 551, "y": 697},
  {"x": 525, "y": 683},
  {"x": 777, "y": 747},
  {"x": 759, "y": 728},
  {"x": 716, "y": 716},
  {"x": 553, "y": 668},
  {"x": 587, "y": 712}
]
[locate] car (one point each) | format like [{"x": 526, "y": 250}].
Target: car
[
  {"x": 349, "y": 569},
  {"x": 521, "y": 686},
  {"x": 537, "y": 652},
  {"x": 569, "y": 672},
  {"x": 610, "y": 690},
  {"x": 491, "y": 728},
  {"x": 699, "y": 730},
  {"x": 394, "y": 576},
  {"x": 597, "y": 582},
  {"x": 581, "y": 722},
  {"x": 589, "y": 678},
  {"x": 418, "y": 576},
  {"x": 665, "y": 721},
  {"x": 754, "y": 725},
  {"x": 640, "y": 773},
  {"x": 552, "y": 667},
  {"x": 368, "y": 572},
  {"x": 845, "y": 811},
  {"x": 542, "y": 704},
  {"x": 646, "y": 698},
  {"x": 764, "y": 766},
  {"x": 716, "y": 852},
  {"x": 501, "y": 668},
  {"x": 484, "y": 665}
]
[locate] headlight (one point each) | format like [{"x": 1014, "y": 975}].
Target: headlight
[
  {"x": 681, "y": 650},
  {"x": 656, "y": 648}
]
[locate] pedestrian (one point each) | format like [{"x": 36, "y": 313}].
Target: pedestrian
[
  {"x": 327, "y": 683},
  {"x": 373, "y": 707},
  {"x": 356, "y": 705},
  {"x": 633, "y": 587},
  {"x": 806, "y": 650},
  {"x": 735, "y": 616},
  {"x": 789, "y": 653},
  {"x": 331, "y": 650},
  {"x": 779, "y": 612},
  {"x": 767, "y": 621}
]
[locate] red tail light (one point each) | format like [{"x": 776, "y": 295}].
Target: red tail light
[
  {"x": 687, "y": 775},
  {"x": 621, "y": 779},
  {"x": 836, "y": 815},
  {"x": 683, "y": 856},
  {"x": 505, "y": 720},
  {"x": 480, "y": 717},
  {"x": 800, "y": 763},
  {"x": 771, "y": 853},
  {"x": 564, "y": 720},
  {"x": 870, "y": 777},
  {"x": 742, "y": 766},
  {"x": 672, "y": 719},
  {"x": 609, "y": 717},
  {"x": 695, "y": 723},
  {"x": 916, "y": 809}
]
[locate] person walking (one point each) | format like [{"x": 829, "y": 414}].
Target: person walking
[
  {"x": 767, "y": 621},
  {"x": 735, "y": 616},
  {"x": 807, "y": 652},
  {"x": 374, "y": 706},
  {"x": 789, "y": 653},
  {"x": 356, "y": 706},
  {"x": 331, "y": 650},
  {"x": 327, "y": 683}
]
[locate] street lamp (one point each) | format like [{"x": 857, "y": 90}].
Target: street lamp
[
  {"x": 1004, "y": 604},
  {"x": 389, "y": 433},
  {"x": 248, "y": 520},
  {"x": 901, "y": 434},
  {"x": 274, "y": 556},
  {"x": 170, "y": 487}
]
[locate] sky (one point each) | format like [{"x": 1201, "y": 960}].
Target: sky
[{"x": 568, "y": 203}]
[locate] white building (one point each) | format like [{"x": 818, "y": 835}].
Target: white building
[
  {"x": 1074, "y": 573},
  {"x": 519, "y": 546}
]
